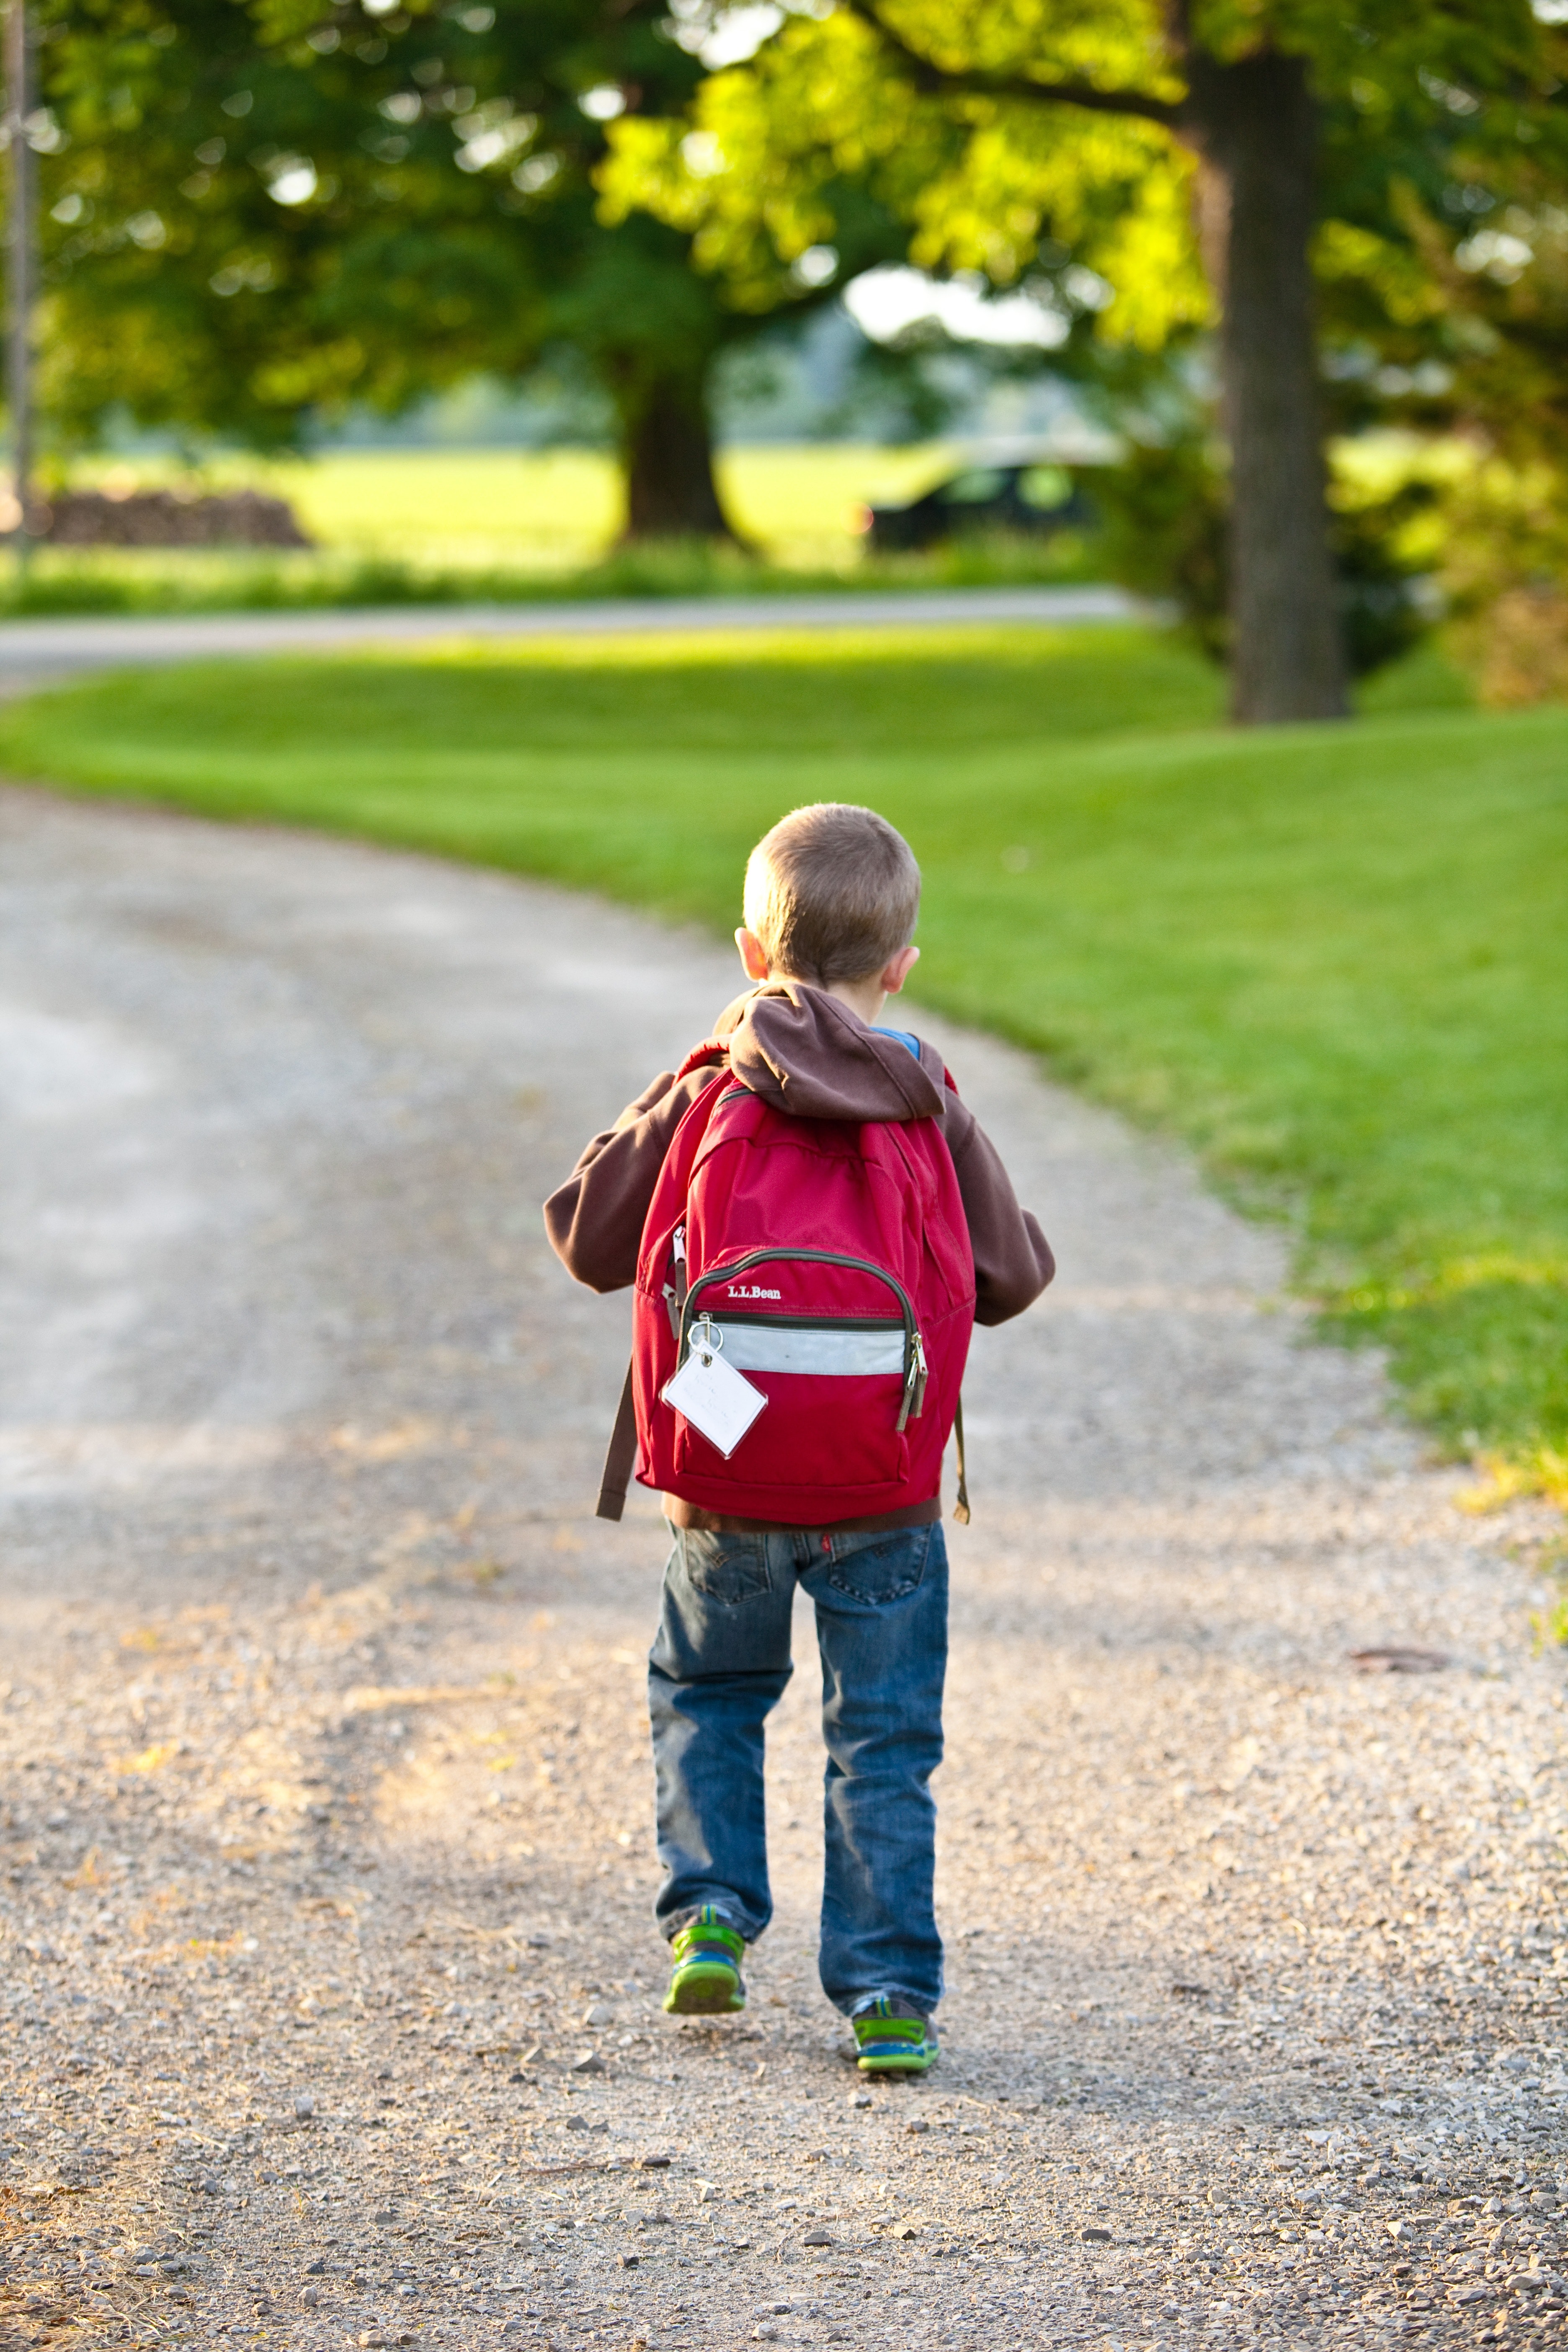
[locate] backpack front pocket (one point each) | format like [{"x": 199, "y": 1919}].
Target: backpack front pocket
[
  {"x": 841, "y": 1373},
  {"x": 817, "y": 1431}
]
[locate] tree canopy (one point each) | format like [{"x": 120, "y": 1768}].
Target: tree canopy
[
  {"x": 257, "y": 215},
  {"x": 1372, "y": 193},
  {"x": 261, "y": 211}
]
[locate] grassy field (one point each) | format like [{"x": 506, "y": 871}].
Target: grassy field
[
  {"x": 437, "y": 526},
  {"x": 559, "y": 509},
  {"x": 564, "y": 506},
  {"x": 1333, "y": 959}
]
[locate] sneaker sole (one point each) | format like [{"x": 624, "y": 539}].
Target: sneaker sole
[
  {"x": 899, "y": 2063},
  {"x": 705, "y": 1992}
]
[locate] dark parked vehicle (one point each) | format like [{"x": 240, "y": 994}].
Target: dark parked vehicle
[{"x": 1035, "y": 499}]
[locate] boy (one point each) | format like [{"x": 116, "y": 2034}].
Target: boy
[{"x": 835, "y": 1113}]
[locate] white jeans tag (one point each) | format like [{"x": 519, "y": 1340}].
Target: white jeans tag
[{"x": 714, "y": 1398}]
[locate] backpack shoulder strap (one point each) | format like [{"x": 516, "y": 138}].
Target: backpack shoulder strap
[
  {"x": 711, "y": 1055},
  {"x": 620, "y": 1457}
]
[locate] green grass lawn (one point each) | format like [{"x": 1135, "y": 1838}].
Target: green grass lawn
[{"x": 1333, "y": 959}]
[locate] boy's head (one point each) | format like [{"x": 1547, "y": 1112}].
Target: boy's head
[{"x": 832, "y": 894}]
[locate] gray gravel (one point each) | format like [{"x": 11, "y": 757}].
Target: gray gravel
[
  {"x": 329, "y": 1986},
  {"x": 39, "y": 653}
]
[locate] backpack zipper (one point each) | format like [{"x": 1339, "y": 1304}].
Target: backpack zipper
[
  {"x": 675, "y": 1292},
  {"x": 805, "y": 1322},
  {"x": 913, "y": 1401}
]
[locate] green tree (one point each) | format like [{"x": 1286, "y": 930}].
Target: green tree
[
  {"x": 222, "y": 250},
  {"x": 258, "y": 216},
  {"x": 1248, "y": 161}
]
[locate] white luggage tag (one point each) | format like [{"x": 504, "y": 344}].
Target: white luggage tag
[{"x": 710, "y": 1394}]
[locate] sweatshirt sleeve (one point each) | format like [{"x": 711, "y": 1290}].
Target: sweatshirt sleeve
[
  {"x": 595, "y": 1220},
  {"x": 1013, "y": 1260}
]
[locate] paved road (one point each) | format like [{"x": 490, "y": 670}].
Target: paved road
[
  {"x": 34, "y": 653},
  {"x": 327, "y": 1986}
]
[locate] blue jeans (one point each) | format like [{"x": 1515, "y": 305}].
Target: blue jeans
[{"x": 718, "y": 1668}]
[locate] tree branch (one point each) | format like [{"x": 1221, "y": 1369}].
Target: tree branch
[
  {"x": 1178, "y": 15},
  {"x": 933, "y": 78}
]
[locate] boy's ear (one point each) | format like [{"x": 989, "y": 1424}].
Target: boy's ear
[
  {"x": 897, "y": 970},
  {"x": 754, "y": 956}
]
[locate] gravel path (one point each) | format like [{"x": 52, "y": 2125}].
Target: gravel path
[
  {"x": 328, "y": 1990},
  {"x": 40, "y": 653}
]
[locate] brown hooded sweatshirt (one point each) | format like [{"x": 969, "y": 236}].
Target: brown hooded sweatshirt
[{"x": 806, "y": 1053}]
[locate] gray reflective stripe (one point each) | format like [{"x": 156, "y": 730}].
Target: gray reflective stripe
[{"x": 820, "y": 1348}]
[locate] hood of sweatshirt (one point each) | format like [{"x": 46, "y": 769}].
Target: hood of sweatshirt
[{"x": 806, "y": 1053}]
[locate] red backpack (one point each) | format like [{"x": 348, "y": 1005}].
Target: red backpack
[{"x": 828, "y": 1263}]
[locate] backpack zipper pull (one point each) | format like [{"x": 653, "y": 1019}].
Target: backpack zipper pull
[
  {"x": 914, "y": 1383},
  {"x": 675, "y": 1292}
]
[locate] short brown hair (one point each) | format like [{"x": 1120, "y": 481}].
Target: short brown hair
[{"x": 832, "y": 893}]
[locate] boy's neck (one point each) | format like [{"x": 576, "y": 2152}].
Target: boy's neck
[{"x": 862, "y": 996}]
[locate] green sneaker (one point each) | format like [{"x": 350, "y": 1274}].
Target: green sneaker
[
  {"x": 707, "y": 1979},
  {"x": 894, "y": 2040}
]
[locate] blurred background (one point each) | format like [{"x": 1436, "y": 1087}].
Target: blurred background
[{"x": 497, "y": 296}]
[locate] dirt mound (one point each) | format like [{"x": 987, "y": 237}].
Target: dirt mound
[{"x": 169, "y": 518}]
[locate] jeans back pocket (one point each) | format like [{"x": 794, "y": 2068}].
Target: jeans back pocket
[
  {"x": 878, "y": 1568},
  {"x": 726, "y": 1569}
]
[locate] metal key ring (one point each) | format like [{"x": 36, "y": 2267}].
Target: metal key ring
[{"x": 703, "y": 1340}]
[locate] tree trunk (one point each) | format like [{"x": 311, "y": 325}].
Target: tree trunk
[
  {"x": 1255, "y": 125},
  {"x": 666, "y": 453}
]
